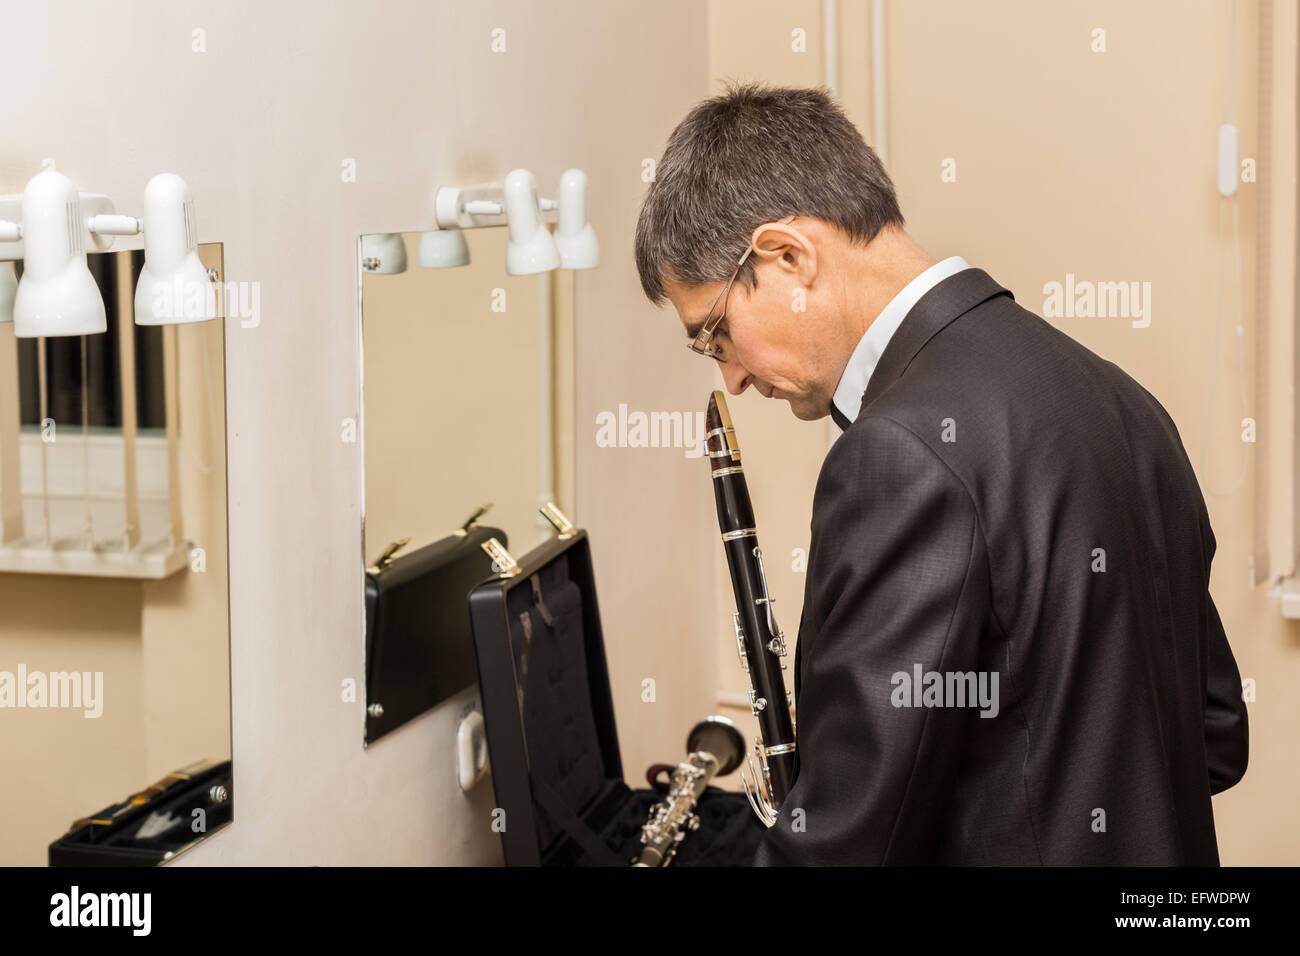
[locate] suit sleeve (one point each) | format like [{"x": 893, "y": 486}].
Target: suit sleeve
[
  {"x": 1227, "y": 741},
  {"x": 1227, "y": 738},
  {"x": 897, "y": 577}
]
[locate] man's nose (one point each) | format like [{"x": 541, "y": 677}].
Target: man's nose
[{"x": 735, "y": 376}]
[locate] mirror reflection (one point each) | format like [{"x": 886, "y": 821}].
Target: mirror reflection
[
  {"x": 114, "y": 640},
  {"x": 467, "y": 402}
]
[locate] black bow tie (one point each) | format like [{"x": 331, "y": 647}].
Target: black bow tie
[{"x": 838, "y": 417}]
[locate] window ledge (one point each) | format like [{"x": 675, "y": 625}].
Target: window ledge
[{"x": 154, "y": 561}]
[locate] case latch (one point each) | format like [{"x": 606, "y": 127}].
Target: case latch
[
  {"x": 386, "y": 558},
  {"x": 557, "y": 518},
  {"x": 474, "y": 519},
  {"x": 502, "y": 562}
]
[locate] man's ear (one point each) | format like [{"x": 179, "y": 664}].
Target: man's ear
[{"x": 789, "y": 247}]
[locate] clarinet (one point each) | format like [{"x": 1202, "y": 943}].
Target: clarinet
[
  {"x": 759, "y": 640},
  {"x": 715, "y": 748}
]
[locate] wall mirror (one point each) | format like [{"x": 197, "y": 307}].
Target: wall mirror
[
  {"x": 467, "y": 398},
  {"x": 114, "y": 636}
]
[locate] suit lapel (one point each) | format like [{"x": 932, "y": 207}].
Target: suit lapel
[{"x": 953, "y": 297}]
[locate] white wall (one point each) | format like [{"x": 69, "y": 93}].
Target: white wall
[{"x": 259, "y": 125}]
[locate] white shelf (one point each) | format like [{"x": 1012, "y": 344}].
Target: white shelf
[{"x": 149, "y": 561}]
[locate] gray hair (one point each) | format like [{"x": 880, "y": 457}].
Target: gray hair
[{"x": 751, "y": 155}]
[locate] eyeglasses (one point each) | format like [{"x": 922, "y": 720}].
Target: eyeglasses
[{"x": 702, "y": 343}]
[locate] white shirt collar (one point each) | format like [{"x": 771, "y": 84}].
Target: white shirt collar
[{"x": 853, "y": 383}]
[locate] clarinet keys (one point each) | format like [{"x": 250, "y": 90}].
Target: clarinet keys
[
  {"x": 758, "y": 786},
  {"x": 740, "y": 641}
]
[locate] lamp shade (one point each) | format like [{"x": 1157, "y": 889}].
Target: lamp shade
[
  {"x": 174, "y": 285},
  {"x": 530, "y": 248},
  {"x": 57, "y": 295},
  {"x": 574, "y": 237}
]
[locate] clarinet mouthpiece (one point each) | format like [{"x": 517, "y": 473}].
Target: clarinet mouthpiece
[{"x": 719, "y": 435}]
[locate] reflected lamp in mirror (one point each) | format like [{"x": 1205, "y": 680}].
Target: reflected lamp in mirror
[
  {"x": 383, "y": 253},
  {"x": 443, "y": 249}
]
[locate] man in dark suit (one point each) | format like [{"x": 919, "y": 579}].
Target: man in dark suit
[{"x": 1008, "y": 652}]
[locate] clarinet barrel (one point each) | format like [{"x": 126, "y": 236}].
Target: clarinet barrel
[{"x": 760, "y": 643}]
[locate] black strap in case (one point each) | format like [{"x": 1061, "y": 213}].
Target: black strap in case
[{"x": 587, "y": 838}]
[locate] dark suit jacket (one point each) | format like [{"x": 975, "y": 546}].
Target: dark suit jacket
[{"x": 1009, "y": 503}]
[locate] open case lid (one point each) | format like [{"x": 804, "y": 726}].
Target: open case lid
[{"x": 537, "y": 630}]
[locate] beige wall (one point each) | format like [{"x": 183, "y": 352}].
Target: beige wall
[
  {"x": 1102, "y": 165},
  {"x": 260, "y": 125}
]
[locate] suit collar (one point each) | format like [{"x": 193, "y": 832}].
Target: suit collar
[
  {"x": 951, "y": 298},
  {"x": 863, "y": 361}
]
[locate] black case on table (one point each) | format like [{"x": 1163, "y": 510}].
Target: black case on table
[
  {"x": 419, "y": 649},
  {"x": 112, "y": 837},
  {"x": 556, "y": 768}
]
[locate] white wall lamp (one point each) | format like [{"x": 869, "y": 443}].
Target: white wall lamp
[
  {"x": 174, "y": 286},
  {"x": 531, "y": 248},
  {"x": 51, "y": 227},
  {"x": 574, "y": 236},
  {"x": 57, "y": 295}
]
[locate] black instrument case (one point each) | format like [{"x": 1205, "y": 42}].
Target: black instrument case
[
  {"x": 129, "y": 834},
  {"x": 419, "y": 650},
  {"x": 556, "y": 769}
]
